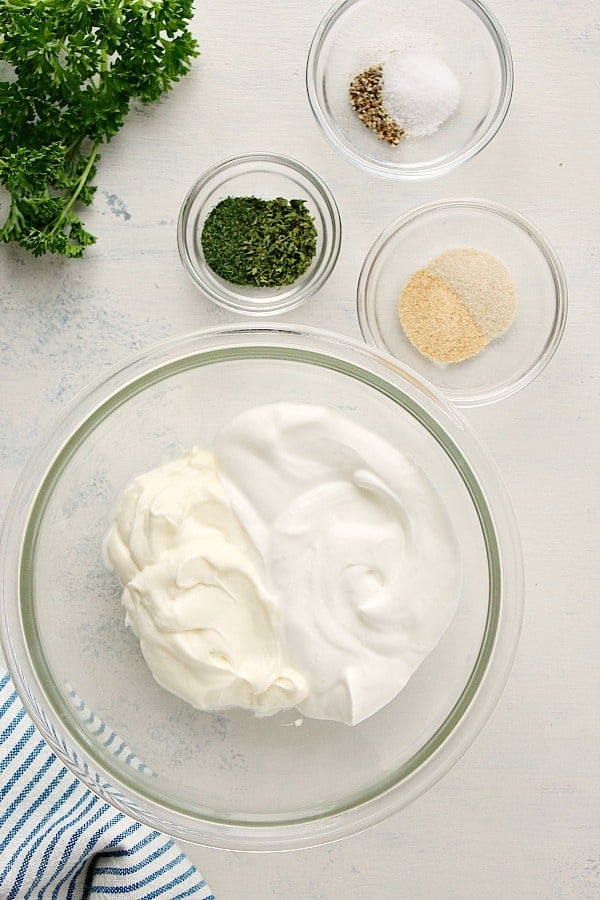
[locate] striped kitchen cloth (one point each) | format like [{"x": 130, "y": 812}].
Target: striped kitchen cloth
[{"x": 59, "y": 841}]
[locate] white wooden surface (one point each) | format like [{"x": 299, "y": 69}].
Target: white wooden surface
[{"x": 519, "y": 816}]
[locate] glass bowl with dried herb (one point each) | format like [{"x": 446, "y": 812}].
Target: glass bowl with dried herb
[
  {"x": 469, "y": 294},
  {"x": 259, "y": 233},
  {"x": 409, "y": 90}
]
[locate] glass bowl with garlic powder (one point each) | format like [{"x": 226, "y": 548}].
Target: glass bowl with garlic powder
[
  {"x": 409, "y": 90},
  {"x": 467, "y": 293}
]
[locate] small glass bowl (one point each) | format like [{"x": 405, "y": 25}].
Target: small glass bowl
[
  {"x": 508, "y": 363},
  {"x": 358, "y": 34},
  {"x": 267, "y": 176}
]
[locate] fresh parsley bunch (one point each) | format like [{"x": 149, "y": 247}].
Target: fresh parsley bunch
[{"x": 68, "y": 70}]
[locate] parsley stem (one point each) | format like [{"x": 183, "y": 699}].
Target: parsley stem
[{"x": 80, "y": 185}]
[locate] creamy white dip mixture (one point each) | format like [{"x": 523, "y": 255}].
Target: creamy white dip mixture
[{"x": 305, "y": 562}]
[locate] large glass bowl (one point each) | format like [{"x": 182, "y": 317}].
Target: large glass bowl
[
  {"x": 228, "y": 779},
  {"x": 358, "y": 34}
]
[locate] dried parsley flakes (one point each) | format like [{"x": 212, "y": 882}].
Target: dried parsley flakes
[{"x": 266, "y": 243}]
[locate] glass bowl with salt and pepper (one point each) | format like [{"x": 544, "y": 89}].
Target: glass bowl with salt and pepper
[{"x": 409, "y": 90}]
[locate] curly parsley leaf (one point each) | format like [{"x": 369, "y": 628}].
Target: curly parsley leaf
[{"x": 68, "y": 72}]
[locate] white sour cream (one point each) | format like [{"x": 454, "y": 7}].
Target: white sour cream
[{"x": 312, "y": 566}]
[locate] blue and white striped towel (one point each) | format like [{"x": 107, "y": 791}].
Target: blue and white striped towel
[{"x": 59, "y": 841}]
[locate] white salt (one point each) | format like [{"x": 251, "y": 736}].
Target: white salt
[{"x": 420, "y": 92}]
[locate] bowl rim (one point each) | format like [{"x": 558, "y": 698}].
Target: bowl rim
[
  {"x": 394, "y": 170},
  {"x": 287, "y": 298},
  {"x": 505, "y": 572},
  {"x": 365, "y": 299}
]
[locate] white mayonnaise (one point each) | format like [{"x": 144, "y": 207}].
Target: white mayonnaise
[
  {"x": 312, "y": 566},
  {"x": 193, "y": 594}
]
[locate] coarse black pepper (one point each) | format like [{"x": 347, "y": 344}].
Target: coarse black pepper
[{"x": 365, "y": 97}]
